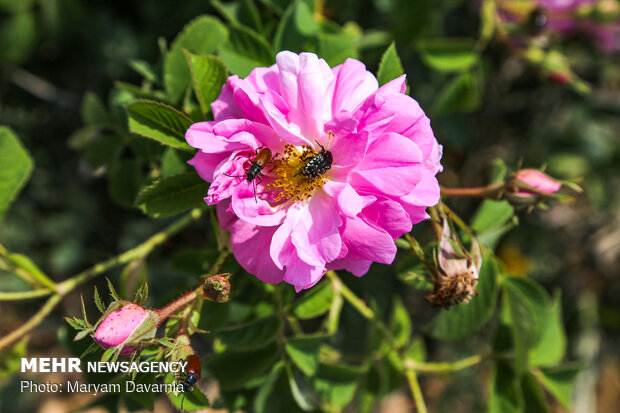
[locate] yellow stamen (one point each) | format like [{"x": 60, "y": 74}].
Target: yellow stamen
[{"x": 293, "y": 185}]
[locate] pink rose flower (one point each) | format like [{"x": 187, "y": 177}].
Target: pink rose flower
[{"x": 312, "y": 212}]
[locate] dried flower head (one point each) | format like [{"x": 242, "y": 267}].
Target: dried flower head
[{"x": 459, "y": 270}]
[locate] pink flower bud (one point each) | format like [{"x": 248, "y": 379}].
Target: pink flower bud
[
  {"x": 121, "y": 326},
  {"x": 535, "y": 179}
]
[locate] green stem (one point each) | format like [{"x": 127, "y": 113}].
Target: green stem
[
  {"x": 361, "y": 307},
  {"x": 140, "y": 251},
  {"x": 416, "y": 391},
  {"x": 217, "y": 265},
  {"x": 23, "y": 295},
  {"x": 33, "y": 322},
  {"x": 439, "y": 368}
]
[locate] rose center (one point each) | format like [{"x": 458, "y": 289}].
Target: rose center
[{"x": 293, "y": 184}]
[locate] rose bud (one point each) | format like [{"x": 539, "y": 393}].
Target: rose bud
[
  {"x": 457, "y": 276},
  {"x": 217, "y": 288},
  {"x": 528, "y": 187},
  {"x": 128, "y": 324}
]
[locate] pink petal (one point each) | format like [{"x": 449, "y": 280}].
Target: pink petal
[
  {"x": 225, "y": 107},
  {"x": 353, "y": 84},
  {"x": 391, "y": 166},
  {"x": 365, "y": 242},
  {"x": 247, "y": 240}
]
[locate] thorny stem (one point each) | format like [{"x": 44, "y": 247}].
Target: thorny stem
[
  {"x": 70, "y": 284},
  {"x": 177, "y": 304}
]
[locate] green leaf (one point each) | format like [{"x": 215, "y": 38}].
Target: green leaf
[
  {"x": 315, "y": 302},
  {"x": 113, "y": 293},
  {"x": 491, "y": 214},
  {"x": 551, "y": 345},
  {"x": 560, "y": 381},
  {"x": 172, "y": 195},
  {"x": 158, "y": 121},
  {"x": 208, "y": 75},
  {"x": 242, "y": 12},
  {"x": 465, "y": 319},
  {"x": 234, "y": 370},
  {"x": 297, "y": 26},
  {"x": 81, "y": 334},
  {"x": 526, "y": 304},
  {"x": 133, "y": 276},
  {"x": 337, "y": 47},
  {"x": 492, "y": 220},
  {"x": 10, "y": 360},
  {"x": 462, "y": 94},
  {"x": 400, "y": 323},
  {"x": 200, "y": 36},
  {"x": 103, "y": 151},
  {"x": 124, "y": 182},
  {"x": 251, "y": 336},
  {"x": 30, "y": 268},
  {"x": 336, "y": 383},
  {"x": 173, "y": 162},
  {"x": 448, "y": 55},
  {"x": 98, "y": 301},
  {"x": 192, "y": 401},
  {"x": 145, "y": 69},
  {"x": 16, "y": 168},
  {"x": 304, "y": 352},
  {"x": 93, "y": 111},
  {"x": 301, "y": 391},
  {"x": 274, "y": 395},
  {"x": 390, "y": 66},
  {"x": 532, "y": 395},
  {"x": 18, "y": 37},
  {"x": 505, "y": 395},
  {"x": 245, "y": 50}
]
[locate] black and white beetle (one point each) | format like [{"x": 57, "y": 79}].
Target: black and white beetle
[{"x": 319, "y": 163}]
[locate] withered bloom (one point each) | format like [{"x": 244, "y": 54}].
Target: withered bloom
[{"x": 457, "y": 276}]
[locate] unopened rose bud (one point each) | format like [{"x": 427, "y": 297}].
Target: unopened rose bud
[
  {"x": 126, "y": 325},
  {"x": 527, "y": 187},
  {"x": 459, "y": 270},
  {"x": 217, "y": 288}
]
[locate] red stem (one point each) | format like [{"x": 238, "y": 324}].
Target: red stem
[
  {"x": 489, "y": 191},
  {"x": 177, "y": 304}
]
